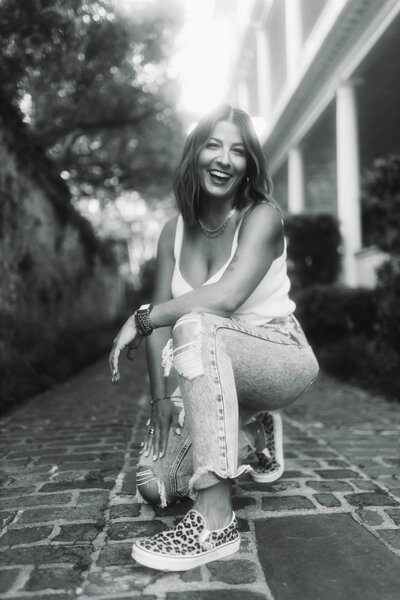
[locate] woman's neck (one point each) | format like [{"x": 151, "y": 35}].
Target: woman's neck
[{"x": 213, "y": 212}]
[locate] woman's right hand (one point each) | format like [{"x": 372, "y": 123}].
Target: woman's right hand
[
  {"x": 128, "y": 336},
  {"x": 164, "y": 415}
]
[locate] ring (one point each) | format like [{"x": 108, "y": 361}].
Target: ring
[{"x": 151, "y": 431}]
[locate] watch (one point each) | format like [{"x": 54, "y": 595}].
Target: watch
[{"x": 143, "y": 323}]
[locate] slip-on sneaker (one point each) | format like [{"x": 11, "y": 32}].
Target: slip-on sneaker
[
  {"x": 187, "y": 545},
  {"x": 271, "y": 464}
]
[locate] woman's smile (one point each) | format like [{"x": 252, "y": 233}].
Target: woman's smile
[
  {"x": 219, "y": 177},
  {"x": 222, "y": 161}
]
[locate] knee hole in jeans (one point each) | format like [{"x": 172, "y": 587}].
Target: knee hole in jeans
[
  {"x": 186, "y": 336},
  {"x": 147, "y": 485}
]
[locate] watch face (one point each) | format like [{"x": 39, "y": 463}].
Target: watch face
[{"x": 145, "y": 308}]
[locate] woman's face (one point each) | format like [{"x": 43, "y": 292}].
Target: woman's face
[{"x": 222, "y": 161}]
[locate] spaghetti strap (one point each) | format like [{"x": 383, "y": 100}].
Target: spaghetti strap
[{"x": 178, "y": 239}]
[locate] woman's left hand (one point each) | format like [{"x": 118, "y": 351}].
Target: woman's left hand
[
  {"x": 164, "y": 414},
  {"x": 129, "y": 337}
]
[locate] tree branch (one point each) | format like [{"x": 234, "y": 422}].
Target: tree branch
[{"x": 51, "y": 136}]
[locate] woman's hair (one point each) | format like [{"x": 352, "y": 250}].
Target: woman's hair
[{"x": 256, "y": 185}]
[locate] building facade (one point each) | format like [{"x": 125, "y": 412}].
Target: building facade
[{"x": 322, "y": 79}]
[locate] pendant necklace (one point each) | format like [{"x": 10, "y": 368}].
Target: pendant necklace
[{"x": 213, "y": 233}]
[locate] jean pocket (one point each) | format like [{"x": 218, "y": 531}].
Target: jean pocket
[
  {"x": 283, "y": 331},
  {"x": 297, "y": 332}
]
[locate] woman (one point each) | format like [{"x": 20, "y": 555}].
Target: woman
[{"x": 222, "y": 287}]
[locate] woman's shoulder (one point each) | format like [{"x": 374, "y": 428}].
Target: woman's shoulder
[
  {"x": 262, "y": 225},
  {"x": 263, "y": 214}
]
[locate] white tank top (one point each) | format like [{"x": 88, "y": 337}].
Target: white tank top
[{"x": 268, "y": 301}]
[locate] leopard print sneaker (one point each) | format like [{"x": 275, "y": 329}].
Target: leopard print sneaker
[
  {"x": 271, "y": 464},
  {"x": 187, "y": 545}
]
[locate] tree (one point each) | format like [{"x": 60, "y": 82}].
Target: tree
[
  {"x": 380, "y": 204},
  {"x": 381, "y": 225},
  {"x": 93, "y": 83}
]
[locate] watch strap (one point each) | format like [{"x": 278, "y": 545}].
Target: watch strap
[{"x": 143, "y": 322}]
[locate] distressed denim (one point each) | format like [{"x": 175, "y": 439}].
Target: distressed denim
[{"x": 227, "y": 372}]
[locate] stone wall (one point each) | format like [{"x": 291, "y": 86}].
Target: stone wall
[{"x": 56, "y": 276}]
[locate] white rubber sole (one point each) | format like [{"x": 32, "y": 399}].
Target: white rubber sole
[
  {"x": 184, "y": 563},
  {"x": 267, "y": 477},
  {"x": 278, "y": 441}
]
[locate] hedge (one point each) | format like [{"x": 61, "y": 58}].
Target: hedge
[
  {"x": 329, "y": 313},
  {"x": 354, "y": 334},
  {"x": 314, "y": 252}
]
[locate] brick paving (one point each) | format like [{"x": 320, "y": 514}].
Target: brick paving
[{"x": 329, "y": 528}]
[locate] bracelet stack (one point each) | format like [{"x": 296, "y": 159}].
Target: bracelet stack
[{"x": 143, "y": 322}]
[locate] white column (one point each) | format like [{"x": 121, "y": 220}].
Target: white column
[
  {"x": 294, "y": 36},
  {"x": 348, "y": 178},
  {"x": 295, "y": 181},
  {"x": 263, "y": 75}
]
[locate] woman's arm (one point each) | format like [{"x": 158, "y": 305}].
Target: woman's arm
[
  {"x": 164, "y": 413},
  {"x": 162, "y": 293},
  {"x": 128, "y": 336},
  {"x": 260, "y": 241}
]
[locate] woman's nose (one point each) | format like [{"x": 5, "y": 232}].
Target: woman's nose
[{"x": 224, "y": 157}]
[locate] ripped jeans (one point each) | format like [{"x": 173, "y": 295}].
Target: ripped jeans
[{"x": 227, "y": 373}]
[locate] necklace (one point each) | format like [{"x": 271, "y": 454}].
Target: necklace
[{"x": 213, "y": 233}]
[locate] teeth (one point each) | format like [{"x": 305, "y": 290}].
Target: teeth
[{"x": 220, "y": 174}]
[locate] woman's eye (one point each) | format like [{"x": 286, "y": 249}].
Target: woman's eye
[
  {"x": 212, "y": 145},
  {"x": 239, "y": 151}
]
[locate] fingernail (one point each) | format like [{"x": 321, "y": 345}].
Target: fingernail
[
  {"x": 155, "y": 457},
  {"x": 147, "y": 422},
  {"x": 146, "y": 453},
  {"x": 178, "y": 431},
  {"x": 161, "y": 454}
]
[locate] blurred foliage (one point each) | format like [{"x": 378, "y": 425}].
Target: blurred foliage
[
  {"x": 388, "y": 291},
  {"x": 330, "y": 312},
  {"x": 93, "y": 82},
  {"x": 363, "y": 362},
  {"x": 380, "y": 204},
  {"x": 25, "y": 368},
  {"x": 352, "y": 333},
  {"x": 381, "y": 226},
  {"x": 313, "y": 249},
  {"x": 355, "y": 332}
]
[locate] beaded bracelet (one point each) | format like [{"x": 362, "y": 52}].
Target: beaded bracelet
[
  {"x": 144, "y": 324},
  {"x": 158, "y": 398}
]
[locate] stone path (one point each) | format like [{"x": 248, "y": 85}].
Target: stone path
[{"x": 328, "y": 529}]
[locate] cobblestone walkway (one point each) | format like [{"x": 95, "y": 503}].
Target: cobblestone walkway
[{"x": 329, "y": 529}]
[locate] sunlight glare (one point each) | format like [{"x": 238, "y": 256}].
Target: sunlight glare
[{"x": 205, "y": 47}]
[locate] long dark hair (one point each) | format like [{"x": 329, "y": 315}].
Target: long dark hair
[{"x": 256, "y": 185}]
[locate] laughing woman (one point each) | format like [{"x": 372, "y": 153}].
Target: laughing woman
[{"x": 223, "y": 321}]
